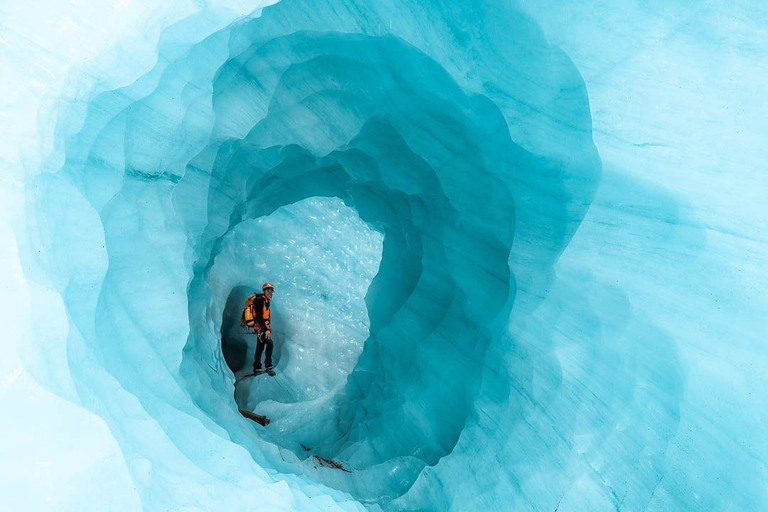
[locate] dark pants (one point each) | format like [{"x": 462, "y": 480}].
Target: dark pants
[{"x": 260, "y": 343}]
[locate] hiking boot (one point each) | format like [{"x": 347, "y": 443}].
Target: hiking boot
[
  {"x": 270, "y": 371},
  {"x": 259, "y": 371}
]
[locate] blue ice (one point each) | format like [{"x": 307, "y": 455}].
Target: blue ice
[{"x": 494, "y": 290}]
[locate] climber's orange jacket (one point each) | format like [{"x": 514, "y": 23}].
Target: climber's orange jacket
[{"x": 256, "y": 312}]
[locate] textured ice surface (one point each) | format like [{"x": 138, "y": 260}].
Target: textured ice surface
[
  {"x": 322, "y": 258},
  {"x": 469, "y": 313}
]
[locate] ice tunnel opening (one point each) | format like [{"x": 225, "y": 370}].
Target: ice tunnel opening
[
  {"x": 321, "y": 257},
  {"x": 408, "y": 397},
  {"x": 405, "y": 402},
  {"x": 440, "y": 294}
]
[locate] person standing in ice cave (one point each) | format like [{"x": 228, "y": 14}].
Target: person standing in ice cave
[{"x": 257, "y": 315}]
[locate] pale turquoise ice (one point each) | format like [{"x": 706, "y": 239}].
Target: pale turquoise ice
[
  {"x": 472, "y": 309},
  {"x": 322, "y": 268}
]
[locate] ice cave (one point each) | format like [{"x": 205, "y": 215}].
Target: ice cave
[{"x": 518, "y": 252}]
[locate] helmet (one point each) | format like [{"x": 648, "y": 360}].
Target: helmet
[{"x": 267, "y": 286}]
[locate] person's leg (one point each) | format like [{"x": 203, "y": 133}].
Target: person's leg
[
  {"x": 268, "y": 358},
  {"x": 259, "y": 350}
]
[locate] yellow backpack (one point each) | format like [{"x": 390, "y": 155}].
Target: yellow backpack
[{"x": 248, "y": 319}]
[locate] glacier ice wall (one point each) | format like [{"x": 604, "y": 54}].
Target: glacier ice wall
[{"x": 465, "y": 308}]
